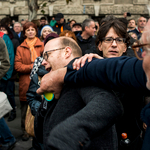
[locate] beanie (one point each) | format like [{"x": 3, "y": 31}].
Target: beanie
[{"x": 46, "y": 26}]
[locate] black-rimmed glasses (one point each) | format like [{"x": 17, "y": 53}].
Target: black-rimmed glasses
[
  {"x": 110, "y": 40},
  {"x": 45, "y": 55}
]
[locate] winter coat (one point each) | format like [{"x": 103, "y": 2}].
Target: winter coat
[
  {"x": 23, "y": 66},
  {"x": 10, "y": 49},
  {"x": 82, "y": 118},
  {"x": 58, "y": 27},
  {"x": 4, "y": 59},
  {"x": 87, "y": 46}
]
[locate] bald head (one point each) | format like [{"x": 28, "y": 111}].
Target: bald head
[{"x": 62, "y": 42}]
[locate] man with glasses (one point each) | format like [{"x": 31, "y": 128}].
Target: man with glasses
[{"x": 84, "y": 116}]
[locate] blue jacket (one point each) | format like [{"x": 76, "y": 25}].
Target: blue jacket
[
  {"x": 10, "y": 49},
  {"x": 120, "y": 72}
]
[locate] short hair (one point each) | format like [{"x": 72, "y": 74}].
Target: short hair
[
  {"x": 86, "y": 23},
  {"x": 106, "y": 19},
  {"x": 70, "y": 34},
  {"x": 17, "y": 23},
  {"x": 42, "y": 18},
  {"x": 29, "y": 24},
  {"x": 118, "y": 27},
  {"x": 66, "y": 41}
]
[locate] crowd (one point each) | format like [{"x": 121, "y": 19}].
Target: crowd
[{"x": 104, "y": 101}]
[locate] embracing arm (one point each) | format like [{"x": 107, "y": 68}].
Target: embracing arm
[{"x": 120, "y": 72}]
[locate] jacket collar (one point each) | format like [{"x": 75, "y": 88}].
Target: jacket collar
[
  {"x": 83, "y": 40},
  {"x": 37, "y": 44}
]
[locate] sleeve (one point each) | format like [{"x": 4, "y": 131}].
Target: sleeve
[
  {"x": 19, "y": 66},
  {"x": 115, "y": 73},
  {"x": 33, "y": 99},
  {"x": 4, "y": 59},
  {"x": 101, "y": 111},
  {"x": 10, "y": 49}
]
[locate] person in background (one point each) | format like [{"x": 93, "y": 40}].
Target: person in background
[
  {"x": 22, "y": 23},
  {"x": 52, "y": 22},
  {"x": 68, "y": 34},
  {"x": 140, "y": 26},
  {"x": 17, "y": 28},
  {"x": 26, "y": 54},
  {"x": 71, "y": 23},
  {"x": 42, "y": 24},
  {"x": 85, "y": 39},
  {"x": 45, "y": 31},
  {"x": 7, "y": 140},
  {"x": 60, "y": 26},
  {"x": 77, "y": 28},
  {"x": 133, "y": 35},
  {"x": 11, "y": 85},
  {"x": 131, "y": 25}
]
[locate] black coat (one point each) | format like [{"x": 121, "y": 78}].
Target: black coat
[
  {"x": 87, "y": 46},
  {"x": 57, "y": 27},
  {"x": 83, "y": 118}
]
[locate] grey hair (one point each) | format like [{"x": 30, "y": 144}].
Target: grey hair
[
  {"x": 18, "y": 23},
  {"x": 86, "y": 23}
]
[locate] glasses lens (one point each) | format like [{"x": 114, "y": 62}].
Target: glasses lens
[
  {"x": 119, "y": 40},
  {"x": 108, "y": 40},
  {"x": 45, "y": 56}
]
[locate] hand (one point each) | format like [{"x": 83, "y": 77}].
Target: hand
[
  {"x": 81, "y": 61},
  {"x": 144, "y": 126},
  {"x": 53, "y": 82}
]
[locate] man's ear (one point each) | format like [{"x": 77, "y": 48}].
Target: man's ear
[
  {"x": 68, "y": 52},
  {"x": 100, "y": 46}
]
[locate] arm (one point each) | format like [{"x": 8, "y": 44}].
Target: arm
[
  {"x": 34, "y": 100},
  {"x": 19, "y": 66},
  {"x": 4, "y": 59},
  {"x": 115, "y": 73},
  {"x": 90, "y": 122},
  {"x": 10, "y": 49}
]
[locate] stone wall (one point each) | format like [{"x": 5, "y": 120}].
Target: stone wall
[{"x": 77, "y": 9}]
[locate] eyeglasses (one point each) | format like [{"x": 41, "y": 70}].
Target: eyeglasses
[
  {"x": 110, "y": 40},
  {"x": 139, "y": 49},
  {"x": 45, "y": 55}
]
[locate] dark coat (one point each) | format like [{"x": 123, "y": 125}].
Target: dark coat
[
  {"x": 33, "y": 99},
  {"x": 87, "y": 46},
  {"x": 57, "y": 27},
  {"x": 123, "y": 73},
  {"x": 83, "y": 118}
]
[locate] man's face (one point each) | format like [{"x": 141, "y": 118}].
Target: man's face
[
  {"x": 112, "y": 49},
  {"x": 132, "y": 24},
  {"x": 55, "y": 58},
  {"x": 61, "y": 21},
  {"x": 17, "y": 28},
  {"x": 43, "y": 22},
  {"x": 91, "y": 29},
  {"x": 76, "y": 28},
  {"x": 141, "y": 22},
  {"x": 146, "y": 54}
]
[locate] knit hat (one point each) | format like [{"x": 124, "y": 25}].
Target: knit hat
[
  {"x": 50, "y": 36},
  {"x": 46, "y": 26}
]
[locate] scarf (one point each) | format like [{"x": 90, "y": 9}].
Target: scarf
[{"x": 31, "y": 44}]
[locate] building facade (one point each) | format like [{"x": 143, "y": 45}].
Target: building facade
[{"x": 77, "y": 9}]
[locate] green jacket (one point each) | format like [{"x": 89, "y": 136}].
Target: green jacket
[{"x": 4, "y": 59}]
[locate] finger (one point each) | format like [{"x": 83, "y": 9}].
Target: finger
[
  {"x": 78, "y": 63},
  {"x": 74, "y": 64},
  {"x": 39, "y": 91},
  {"x": 86, "y": 57}
]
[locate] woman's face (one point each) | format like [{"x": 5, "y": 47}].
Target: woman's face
[
  {"x": 2, "y": 29},
  {"x": 30, "y": 33},
  {"x": 46, "y": 31}
]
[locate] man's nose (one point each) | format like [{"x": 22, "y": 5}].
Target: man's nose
[
  {"x": 114, "y": 43},
  {"x": 44, "y": 62}
]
